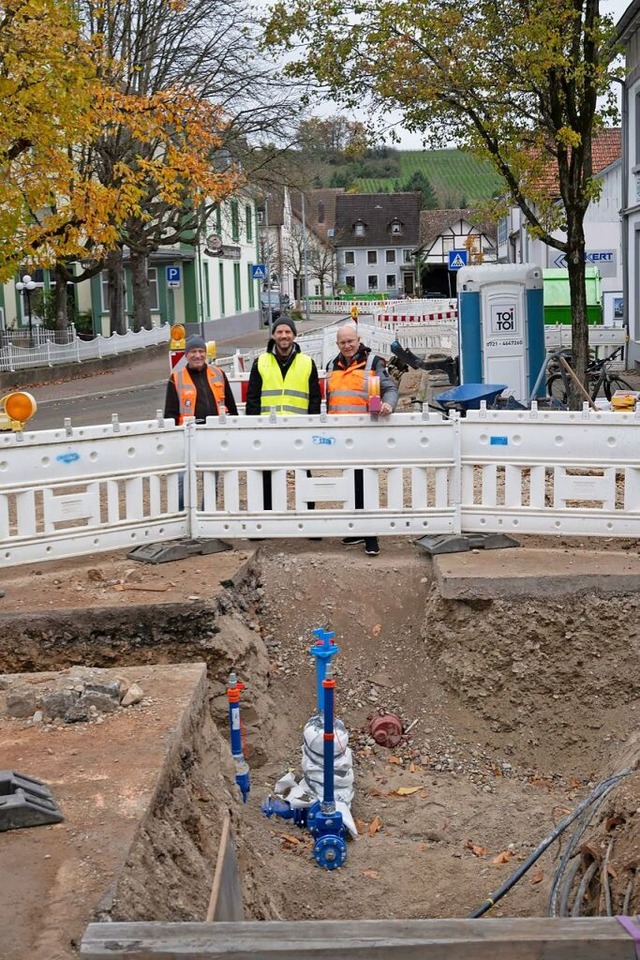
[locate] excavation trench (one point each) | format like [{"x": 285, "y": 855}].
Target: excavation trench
[{"x": 517, "y": 707}]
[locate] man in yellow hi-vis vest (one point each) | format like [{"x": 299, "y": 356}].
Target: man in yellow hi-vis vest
[{"x": 282, "y": 379}]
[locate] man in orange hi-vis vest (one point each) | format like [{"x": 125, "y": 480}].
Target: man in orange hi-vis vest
[
  {"x": 355, "y": 376},
  {"x": 198, "y": 389}
]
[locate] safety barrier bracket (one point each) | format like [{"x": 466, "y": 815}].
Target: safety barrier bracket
[
  {"x": 452, "y": 543},
  {"x": 177, "y": 550},
  {"x": 25, "y": 802}
]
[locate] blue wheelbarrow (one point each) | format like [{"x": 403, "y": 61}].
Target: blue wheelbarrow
[{"x": 469, "y": 396}]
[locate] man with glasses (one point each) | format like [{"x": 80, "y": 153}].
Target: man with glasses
[{"x": 348, "y": 392}]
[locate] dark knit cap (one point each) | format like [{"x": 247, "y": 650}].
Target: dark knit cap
[
  {"x": 195, "y": 342},
  {"x": 287, "y": 321}
]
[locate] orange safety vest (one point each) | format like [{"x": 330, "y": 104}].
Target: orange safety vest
[
  {"x": 187, "y": 393},
  {"x": 348, "y": 389}
]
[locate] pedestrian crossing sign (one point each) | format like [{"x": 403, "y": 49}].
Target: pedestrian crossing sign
[
  {"x": 258, "y": 271},
  {"x": 458, "y": 259}
]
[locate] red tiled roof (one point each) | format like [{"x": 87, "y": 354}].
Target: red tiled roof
[{"x": 606, "y": 148}]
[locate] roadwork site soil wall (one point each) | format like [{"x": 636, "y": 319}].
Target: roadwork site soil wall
[{"x": 514, "y": 710}]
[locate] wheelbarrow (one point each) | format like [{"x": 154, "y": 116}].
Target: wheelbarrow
[{"x": 469, "y": 396}]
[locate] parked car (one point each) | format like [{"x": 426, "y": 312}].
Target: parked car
[{"x": 273, "y": 304}]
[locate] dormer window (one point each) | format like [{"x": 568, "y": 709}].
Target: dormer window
[
  {"x": 359, "y": 229},
  {"x": 396, "y": 228}
]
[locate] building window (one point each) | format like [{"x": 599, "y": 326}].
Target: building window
[
  {"x": 359, "y": 229},
  {"x": 219, "y": 221},
  {"x": 260, "y": 216},
  {"x": 152, "y": 274},
  {"x": 104, "y": 292},
  {"x": 206, "y": 291},
  {"x": 391, "y": 281},
  {"x": 372, "y": 281},
  {"x": 372, "y": 256},
  {"x": 503, "y": 231},
  {"x": 349, "y": 256},
  {"x": 237, "y": 287},
  {"x": 235, "y": 221},
  {"x": 637, "y": 157},
  {"x": 251, "y": 286},
  {"x": 248, "y": 219},
  {"x": 320, "y": 211},
  {"x": 406, "y": 256},
  {"x": 350, "y": 282},
  {"x": 396, "y": 228},
  {"x": 390, "y": 256},
  {"x": 221, "y": 287}
]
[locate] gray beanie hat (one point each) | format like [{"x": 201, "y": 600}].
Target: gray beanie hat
[
  {"x": 287, "y": 321},
  {"x": 195, "y": 342}
]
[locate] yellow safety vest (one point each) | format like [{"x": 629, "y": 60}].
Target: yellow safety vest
[
  {"x": 349, "y": 388},
  {"x": 288, "y": 394},
  {"x": 185, "y": 388}
]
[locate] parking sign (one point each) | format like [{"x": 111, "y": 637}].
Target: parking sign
[{"x": 174, "y": 277}]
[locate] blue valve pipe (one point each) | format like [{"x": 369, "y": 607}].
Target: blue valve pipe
[
  {"x": 324, "y": 650},
  {"x": 235, "y": 731},
  {"x": 329, "y": 737}
]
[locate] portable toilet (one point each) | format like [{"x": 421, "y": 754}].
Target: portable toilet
[
  {"x": 501, "y": 326},
  {"x": 557, "y": 297}
]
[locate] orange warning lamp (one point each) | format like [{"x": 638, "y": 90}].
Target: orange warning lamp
[
  {"x": 178, "y": 335},
  {"x": 15, "y": 409}
]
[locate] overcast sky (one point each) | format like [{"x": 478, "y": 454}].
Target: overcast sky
[{"x": 410, "y": 141}]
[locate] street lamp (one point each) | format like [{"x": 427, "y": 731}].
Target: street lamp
[{"x": 25, "y": 286}]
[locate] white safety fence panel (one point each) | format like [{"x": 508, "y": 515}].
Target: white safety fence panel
[
  {"x": 549, "y": 472},
  {"x": 408, "y": 466},
  {"x": 72, "y": 492}
]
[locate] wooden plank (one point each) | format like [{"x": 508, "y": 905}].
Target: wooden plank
[
  {"x": 597, "y": 938},
  {"x": 225, "y": 902}
]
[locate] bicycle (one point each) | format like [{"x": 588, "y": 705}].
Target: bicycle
[{"x": 602, "y": 380}]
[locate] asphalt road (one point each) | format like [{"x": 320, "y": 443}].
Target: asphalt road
[{"x": 132, "y": 403}]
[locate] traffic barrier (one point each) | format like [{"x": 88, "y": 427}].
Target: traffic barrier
[{"x": 78, "y": 491}]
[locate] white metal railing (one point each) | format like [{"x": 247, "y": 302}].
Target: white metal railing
[
  {"x": 49, "y": 354},
  {"x": 77, "y": 491}
]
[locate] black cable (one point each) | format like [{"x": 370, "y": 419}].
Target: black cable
[{"x": 602, "y": 788}]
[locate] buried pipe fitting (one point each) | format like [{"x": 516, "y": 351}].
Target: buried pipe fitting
[{"x": 386, "y": 729}]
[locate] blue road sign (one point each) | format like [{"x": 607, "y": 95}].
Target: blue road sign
[
  {"x": 458, "y": 259},
  {"x": 258, "y": 271},
  {"x": 174, "y": 276}
]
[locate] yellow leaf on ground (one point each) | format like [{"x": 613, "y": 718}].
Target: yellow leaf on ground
[
  {"x": 503, "y": 857},
  {"x": 475, "y": 849},
  {"x": 537, "y": 877},
  {"x": 376, "y": 630},
  {"x": 405, "y": 791},
  {"x": 289, "y": 839},
  {"x": 375, "y": 825},
  {"x": 361, "y": 826},
  {"x": 396, "y": 760}
]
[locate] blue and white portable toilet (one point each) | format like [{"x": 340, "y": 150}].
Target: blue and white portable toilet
[{"x": 501, "y": 326}]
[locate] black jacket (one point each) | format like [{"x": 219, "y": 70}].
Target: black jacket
[
  {"x": 206, "y": 405},
  {"x": 254, "y": 389}
]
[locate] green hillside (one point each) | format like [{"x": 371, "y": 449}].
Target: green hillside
[{"x": 457, "y": 178}]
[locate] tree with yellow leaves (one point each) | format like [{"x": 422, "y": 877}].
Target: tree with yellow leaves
[{"x": 523, "y": 83}]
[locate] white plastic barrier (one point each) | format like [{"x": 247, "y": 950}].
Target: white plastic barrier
[{"x": 80, "y": 491}]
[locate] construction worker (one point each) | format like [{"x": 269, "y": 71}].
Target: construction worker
[
  {"x": 197, "y": 389},
  {"x": 348, "y": 392},
  {"x": 284, "y": 379}
]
